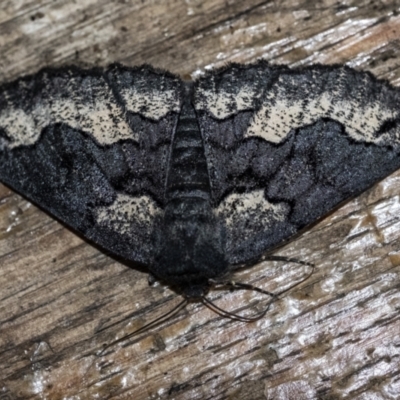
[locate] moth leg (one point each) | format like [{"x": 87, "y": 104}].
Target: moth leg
[
  {"x": 235, "y": 285},
  {"x": 232, "y": 285},
  {"x": 287, "y": 259},
  {"x": 301, "y": 281}
]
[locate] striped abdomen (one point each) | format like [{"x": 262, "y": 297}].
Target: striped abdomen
[{"x": 191, "y": 242}]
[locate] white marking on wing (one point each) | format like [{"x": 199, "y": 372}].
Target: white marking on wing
[
  {"x": 250, "y": 213},
  {"x": 274, "y": 121},
  {"x": 127, "y": 213},
  {"x": 290, "y": 106},
  {"x": 222, "y": 104},
  {"x": 104, "y": 120},
  {"x": 154, "y": 104},
  {"x": 87, "y": 104}
]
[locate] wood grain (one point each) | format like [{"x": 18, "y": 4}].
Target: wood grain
[{"x": 335, "y": 337}]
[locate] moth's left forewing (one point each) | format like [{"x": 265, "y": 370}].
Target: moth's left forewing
[
  {"x": 284, "y": 147},
  {"x": 92, "y": 148}
]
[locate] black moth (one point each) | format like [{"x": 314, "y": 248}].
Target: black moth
[{"x": 196, "y": 179}]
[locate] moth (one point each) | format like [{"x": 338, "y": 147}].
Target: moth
[{"x": 194, "y": 179}]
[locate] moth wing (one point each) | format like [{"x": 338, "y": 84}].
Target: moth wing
[
  {"x": 91, "y": 147},
  {"x": 286, "y": 146}
]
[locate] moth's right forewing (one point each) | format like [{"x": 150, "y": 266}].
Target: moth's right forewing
[{"x": 286, "y": 146}]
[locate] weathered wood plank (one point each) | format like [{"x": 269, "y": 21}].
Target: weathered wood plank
[{"x": 337, "y": 336}]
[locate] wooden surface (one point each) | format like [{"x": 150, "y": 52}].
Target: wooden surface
[{"x": 335, "y": 337}]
